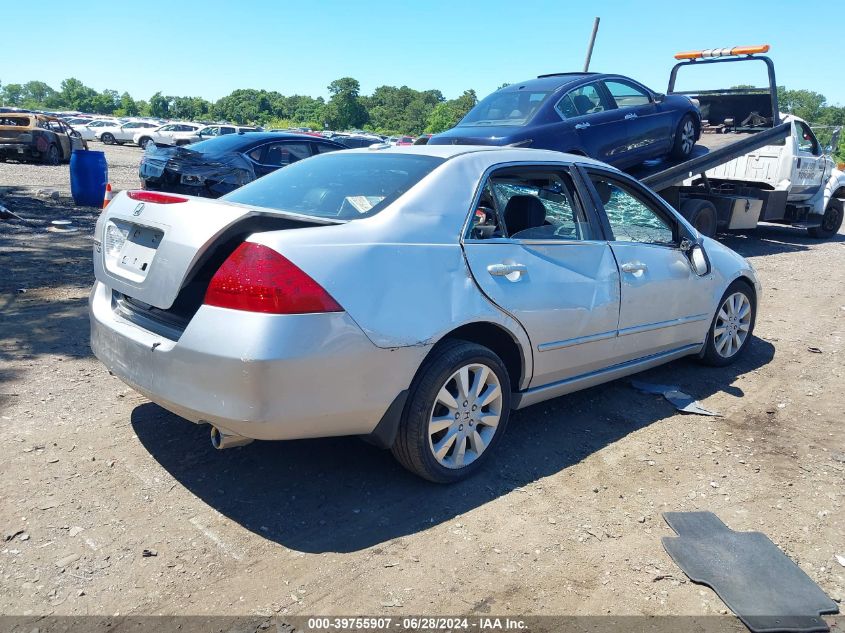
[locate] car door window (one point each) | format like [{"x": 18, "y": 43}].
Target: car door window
[
  {"x": 280, "y": 154},
  {"x": 227, "y": 130},
  {"x": 530, "y": 204},
  {"x": 582, "y": 101},
  {"x": 627, "y": 95},
  {"x": 323, "y": 148},
  {"x": 632, "y": 217},
  {"x": 806, "y": 139}
]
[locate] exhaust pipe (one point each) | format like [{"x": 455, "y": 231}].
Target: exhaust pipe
[{"x": 221, "y": 439}]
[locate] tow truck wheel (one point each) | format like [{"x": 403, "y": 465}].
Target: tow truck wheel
[
  {"x": 684, "y": 138},
  {"x": 831, "y": 221},
  {"x": 702, "y": 215}
]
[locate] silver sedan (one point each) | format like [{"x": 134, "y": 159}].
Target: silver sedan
[{"x": 415, "y": 295}]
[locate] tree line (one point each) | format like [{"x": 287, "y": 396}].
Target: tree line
[{"x": 388, "y": 110}]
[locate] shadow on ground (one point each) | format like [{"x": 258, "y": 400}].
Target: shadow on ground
[
  {"x": 340, "y": 495},
  {"x": 772, "y": 239},
  {"x": 45, "y": 278}
]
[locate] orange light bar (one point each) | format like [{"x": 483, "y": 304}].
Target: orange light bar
[{"x": 723, "y": 52}]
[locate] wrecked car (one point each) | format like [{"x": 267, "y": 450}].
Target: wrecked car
[
  {"x": 27, "y": 136},
  {"x": 411, "y": 294},
  {"x": 219, "y": 165}
]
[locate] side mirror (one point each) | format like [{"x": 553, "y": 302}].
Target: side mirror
[
  {"x": 659, "y": 97},
  {"x": 698, "y": 260}
]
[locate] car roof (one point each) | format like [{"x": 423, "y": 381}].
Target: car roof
[{"x": 551, "y": 81}]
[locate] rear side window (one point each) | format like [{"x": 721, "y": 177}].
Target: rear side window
[
  {"x": 529, "y": 204},
  {"x": 338, "y": 185},
  {"x": 582, "y": 101}
]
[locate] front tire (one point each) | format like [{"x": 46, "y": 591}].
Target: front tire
[
  {"x": 457, "y": 411},
  {"x": 732, "y": 325},
  {"x": 107, "y": 138},
  {"x": 144, "y": 142},
  {"x": 684, "y": 138},
  {"x": 831, "y": 221}
]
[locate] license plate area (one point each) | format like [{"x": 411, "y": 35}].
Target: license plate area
[{"x": 131, "y": 248}]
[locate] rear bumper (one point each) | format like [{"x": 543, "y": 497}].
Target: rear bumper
[
  {"x": 19, "y": 150},
  {"x": 268, "y": 377}
]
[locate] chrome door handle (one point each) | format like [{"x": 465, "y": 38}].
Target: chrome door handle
[
  {"x": 503, "y": 270},
  {"x": 582, "y": 126},
  {"x": 633, "y": 267},
  {"x": 630, "y": 116}
]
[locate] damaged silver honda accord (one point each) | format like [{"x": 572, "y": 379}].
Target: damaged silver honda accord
[{"x": 415, "y": 295}]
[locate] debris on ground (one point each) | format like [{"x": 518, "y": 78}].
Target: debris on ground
[
  {"x": 681, "y": 401},
  {"x": 814, "y": 350},
  {"x": 147, "y": 553}
]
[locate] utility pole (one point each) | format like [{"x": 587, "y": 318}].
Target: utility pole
[{"x": 590, "y": 47}]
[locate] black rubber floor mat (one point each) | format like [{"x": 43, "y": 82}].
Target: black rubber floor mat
[{"x": 757, "y": 581}]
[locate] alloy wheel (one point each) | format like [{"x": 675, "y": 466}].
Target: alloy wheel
[
  {"x": 465, "y": 416},
  {"x": 733, "y": 323},
  {"x": 687, "y": 136}
]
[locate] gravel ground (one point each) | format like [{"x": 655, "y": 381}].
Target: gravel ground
[
  {"x": 566, "y": 521},
  {"x": 123, "y": 171}
]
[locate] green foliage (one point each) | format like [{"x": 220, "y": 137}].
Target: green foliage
[{"x": 345, "y": 109}]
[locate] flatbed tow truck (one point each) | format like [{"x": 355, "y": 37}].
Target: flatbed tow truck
[{"x": 752, "y": 164}]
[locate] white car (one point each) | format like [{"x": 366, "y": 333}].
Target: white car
[
  {"x": 207, "y": 132},
  {"x": 164, "y": 134},
  {"x": 87, "y": 130},
  {"x": 124, "y": 133}
]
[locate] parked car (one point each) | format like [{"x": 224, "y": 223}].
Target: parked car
[
  {"x": 608, "y": 117},
  {"x": 125, "y": 133},
  {"x": 164, "y": 134},
  {"x": 357, "y": 140},
  {"x": 37, "y": 137},
  {"x": 209, "y": 131},
  {"x": 405, "y": 140},
  {"x": 87, "y": 130},
  {"x": 412, "y": 294},
  {"x": 219, "y": 165}
]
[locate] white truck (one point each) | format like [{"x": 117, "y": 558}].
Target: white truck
[{"x": 753, "y": 163}]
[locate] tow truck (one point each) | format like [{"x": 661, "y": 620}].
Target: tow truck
[{"x": 753, "y": 163}]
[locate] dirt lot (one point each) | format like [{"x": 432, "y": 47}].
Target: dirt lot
[{"x": 568, "y": 521}]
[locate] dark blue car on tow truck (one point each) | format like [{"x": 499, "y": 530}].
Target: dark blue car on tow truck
[{"x": 607, "y": 117}]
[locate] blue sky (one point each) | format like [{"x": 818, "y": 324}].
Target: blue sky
[{"x": 208, "y": 48}]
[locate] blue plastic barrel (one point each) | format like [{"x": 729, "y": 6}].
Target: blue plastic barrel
[{"x": 89, "y": 174}]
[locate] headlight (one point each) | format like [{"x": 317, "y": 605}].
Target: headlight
[{"x": 115, "y": 238}]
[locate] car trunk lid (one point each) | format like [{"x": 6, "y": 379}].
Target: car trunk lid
[{"x": 149, "y": 250}]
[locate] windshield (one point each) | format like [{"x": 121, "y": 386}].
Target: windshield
[
  {"x": 508, "y": 107},
  {"x": 339, "y": 185}
]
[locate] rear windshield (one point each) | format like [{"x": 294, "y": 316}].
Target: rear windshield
[
  {"x": 222, "y": 143},
  {"x": 509, "y": 107},
  {"x": 340, "y": 185},
  {"x": 16, "y": 120}
]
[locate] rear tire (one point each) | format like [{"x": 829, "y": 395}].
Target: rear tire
[
  {"x": 684, "y": 138},
  {"x": 457, "y": 411},
  {"x": 107, "y": 138},
  {"x": 51, "y": 156},
  {"x": 732, "y": 326},
  {"x": 831, "y": 221},
  {"x": 702, "y": 215}
]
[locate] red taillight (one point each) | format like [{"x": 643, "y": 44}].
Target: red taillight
[
  {"x": 256, "y": 278},
  {"x": 154, "y": 196}
]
